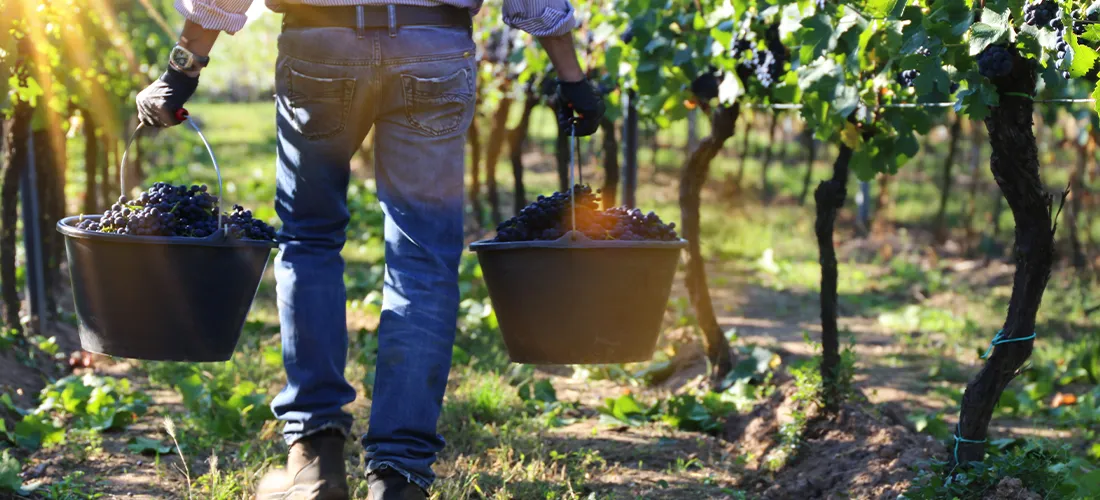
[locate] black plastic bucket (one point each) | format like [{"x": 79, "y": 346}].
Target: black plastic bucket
[
  {"x": 162, "y": 298},
  {"x": 579, "y": 301}
]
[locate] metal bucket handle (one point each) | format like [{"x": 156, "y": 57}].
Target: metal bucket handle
[{"x": 184, "y": 116}]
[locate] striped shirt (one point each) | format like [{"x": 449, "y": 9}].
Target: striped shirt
[{"x": 537, "y": 17}]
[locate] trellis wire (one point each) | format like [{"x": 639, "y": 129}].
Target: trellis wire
[{"x": 924, "y": 104}]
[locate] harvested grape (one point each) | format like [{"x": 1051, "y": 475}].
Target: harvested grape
[
  {"x": 551, "y": 217},
  {"x": 167, "y": 210}
]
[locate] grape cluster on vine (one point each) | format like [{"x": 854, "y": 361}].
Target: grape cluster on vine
[
  {"x": 765, "y": 61},
  {"x": 551, "y": 217},
  {"x": 705, "y": 86},
  {"x": 995, "y": 62},
  {"x": 1040, "y": 13},
  {"x": 168, "y": 210},
  {"x": 907, "y": 77}
]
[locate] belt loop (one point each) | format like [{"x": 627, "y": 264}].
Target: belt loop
[
  {"x": 393, "y": 20},
  {"x": 361, "y": 21}
]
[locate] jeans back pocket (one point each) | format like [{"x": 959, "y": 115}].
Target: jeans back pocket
[
  {"x": 318, "y": 106},
  {"x": 438, "y": 106}
]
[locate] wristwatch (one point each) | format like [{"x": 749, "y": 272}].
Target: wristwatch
[{"x": 186, "y": 61}]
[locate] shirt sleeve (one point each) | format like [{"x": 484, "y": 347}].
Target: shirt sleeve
[
  {"x": 223, "y": 15},
  {"x": 540, "y": 17}
]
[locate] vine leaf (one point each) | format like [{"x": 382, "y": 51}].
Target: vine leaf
[
  {"x": 1084, "y": 58},
  {"x": 931, "y": 76},
  {"x": 1096, "y": 96},
  {"x": 883, "y": 8},
  {"x": 850, "y": 136},
  {"x": 994, "y": 28},
  {"x": 817, "y": 37}
]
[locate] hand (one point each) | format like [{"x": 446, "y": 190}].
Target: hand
[
  {"x": 158, "y": 105},
  {"x": 580, "y": 107}
]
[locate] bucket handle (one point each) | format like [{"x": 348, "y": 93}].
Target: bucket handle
[{"x": 184, "y": 116}]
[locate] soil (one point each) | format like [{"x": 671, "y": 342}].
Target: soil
[{"x": 855, "y": 453}]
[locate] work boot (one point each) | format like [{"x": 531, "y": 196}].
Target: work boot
[
  {"x": 314, "y": 471},
  {"x": 388, "y": 484}
]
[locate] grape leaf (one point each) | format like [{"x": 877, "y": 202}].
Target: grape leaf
[
  {"x": 845, "y": 99},
  {"x": 850, "y": 136},
  {"x": 883, "y": 8},
  {"x": 816, "y": 37},
  {"x": 931, "y": 77},
  {"x": 975, "y": 102},
  {"x": 1096, "y": 96},
  {"x": 1084, "y": 57},
  {"x": 983, "y": 35}
]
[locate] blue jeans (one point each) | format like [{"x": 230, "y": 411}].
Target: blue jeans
[{"x": 417, "y": 87}]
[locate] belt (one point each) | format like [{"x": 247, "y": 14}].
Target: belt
[{"x": 374, "y": 16}]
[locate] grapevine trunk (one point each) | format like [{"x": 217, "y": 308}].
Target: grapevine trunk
[
  {"x": 610, "y": 163},
  {"x": 769, "y": 153},
  {"x": 1015, "y": 165},
  {"x": 19, "y": 133},
  {"x": 830, "y": 196},
  {"x": 945, "y": 181},
  {"x": 91, "y": 162},
  {"x": 517, "y": 137},
  {"x": 1076, "y": 185},
  {"x": 811, "y": 155},
  {"x": 492, "y": 155},
  {"x": 692, "y": 179},
  {"x": 473, "y": 136}
]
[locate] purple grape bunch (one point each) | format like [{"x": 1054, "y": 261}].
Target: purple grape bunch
[
  {"x": 169, "y": 210},
  {"x": 550, "y": 218},
  {"x": 1040, "y": 13},
  {"x": 995, "y": 62}
]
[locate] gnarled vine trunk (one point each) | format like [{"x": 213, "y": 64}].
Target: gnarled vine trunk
[
  {"x": 610, "y": 163},
  {"x": 17, "y": 158},
  {"x": 769, "y": 153},
  {"x": 492, "y": 155},
  {"x": 517, "y": 137},
  {"x": 745, "y": 142},
  {"x": 1015, "y": 166},
  {"x": 945, "y": 181},
  {"x": 830, "y": 196},
  {"x": 692, "y": 179},
  {"x": 91, "y": 163},
  {"x": 473, "y": 137},
  {"x": 561, "y": 153},
  {"x": 811, "y": 155},
  {"x": 1076, "y": 191}
]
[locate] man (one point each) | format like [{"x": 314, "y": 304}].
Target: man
[{"x": 344, "y": 66}]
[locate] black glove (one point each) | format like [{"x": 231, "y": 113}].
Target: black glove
[
  {"x": 580, "y": 107},
  {"x": 160, "y": 102}
]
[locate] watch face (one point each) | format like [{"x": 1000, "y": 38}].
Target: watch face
[{"x": 181, "y": 58}]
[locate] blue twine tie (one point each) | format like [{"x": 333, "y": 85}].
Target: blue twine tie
[
  {"x": 999, "y": 339},
  {"x": 959, "y": 439}
]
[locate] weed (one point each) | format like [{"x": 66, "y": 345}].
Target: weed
[{"x": 1045, "y": 469}]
